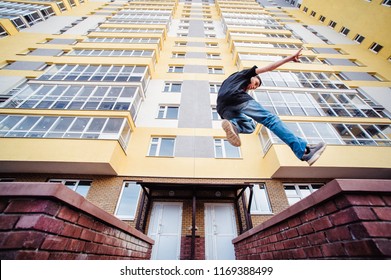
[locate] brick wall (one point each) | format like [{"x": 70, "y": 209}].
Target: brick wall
[
  {"x": 345, "y": 219},
  {"x": 49, "y": 221},
  {"x": 186, "y": 248}
]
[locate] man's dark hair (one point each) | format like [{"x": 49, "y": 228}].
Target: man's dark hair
[{"x": 259, "y": 78}]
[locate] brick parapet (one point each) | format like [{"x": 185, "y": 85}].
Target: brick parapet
[
  {"x": 49, "y": 221},
  {"x": 348, "y": 219}
]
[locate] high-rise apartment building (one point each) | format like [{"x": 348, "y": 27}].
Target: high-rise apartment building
[{"x": 117, "y": 101}]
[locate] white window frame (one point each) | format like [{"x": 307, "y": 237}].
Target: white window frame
[
  {"x": 215, "y": 115},
  {"x": 164, "y": 109},
  {"x": 215, "y": 70},
  {"x": 332, "y": 24},
  {"x": 214, "y": 87},
  {"x": 180, "y": 44},
  {"x": 213, "y": 56},
  {"x": 178, "y": 55},
  {"x": 174, "y": 68},
  {"x": 359, "y": 38},
  {"x": 158, "y": 141},
  {"x": 344, "y": 31},
  {"x": 299, "y": 193},
  {"x": 131, "y": 216},
  {"x": 221, "y": 142},
  {"x": 75, "y": 187},
  {"x": 258, "y": 191},
  {"x": 211, "y": 45},
  {"x": 168, "y": 86},
  {"x": 373, "y": 46}
]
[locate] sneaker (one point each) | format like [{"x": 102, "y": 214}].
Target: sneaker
[
  {"x": 313, "y": 152},
  {"x": 232, "y": 133}
]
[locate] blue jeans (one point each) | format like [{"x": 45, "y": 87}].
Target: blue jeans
[{"x": 242, "y": 116}]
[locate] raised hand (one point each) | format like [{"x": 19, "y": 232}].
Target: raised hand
[{"x": 295, "y": 57}]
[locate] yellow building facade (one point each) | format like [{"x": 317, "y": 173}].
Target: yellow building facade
[{"x": 117, "y": 100}]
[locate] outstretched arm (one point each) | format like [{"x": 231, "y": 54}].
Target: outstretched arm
[{"x": 271, "y": 67}]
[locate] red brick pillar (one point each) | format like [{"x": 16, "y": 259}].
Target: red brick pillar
[
  {"x": 345, "y": 219},
  {"x": 49, "y": 221}
]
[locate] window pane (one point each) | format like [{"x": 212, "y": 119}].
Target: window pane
[
  {"x": 153, "y": 149},
  {"x": 9, "y": 122},
  {"x": 305, "y": 191},
  {"x": 45, "y": 123},
  {"x": 80, "y": 124},
  {"x": 113, "y": 125},
  {"x": 83, "y": 188},
  {"x": 27, "y": 123},
  {"x": 167, "y": 147},
  {"x": 63, "y": 124},
  {"x": 231, "y": 151},
  {"x": 96, "y": 125},
  {"x": 290, "y": 191},
  {"x": 172, "y": 112},
  {"x": 263, "y": 199},
  {"x": 129, "y": 199},
  {"x": 176, "y": 87},
  {"x": 293, "y": 200}
]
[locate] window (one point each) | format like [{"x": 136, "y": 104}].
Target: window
[
  {"x": 214, "y": 88},
  {"x": 215, "y": 115},
  {"x": 65, "y": 127},
  {"x": 302, "y": 79},
  {"x": 111, "y": 52},
  {"x": 76, "y": 97},
  {"x": 172, "y": 87},
  {"x": 96, "y": 73},
  {"x": 377, "y": 77},
  {"x": 134, "y": 40},
  {"x": 211, "y": 45},
  {"x": 223, "y": 149},
  {"x": 168, "y": 112},
  {"x": 80, "y": 186},
  {"x": 305, "y": 9},
  {"x": 215, "y": 70},
  {"x": 213, "y": 55},
  {"x": 161, "y": 147},
  {"x": 313, "y": 13},
  {"x": 180, "y": 44},
  {"x": 376, "y": 48},
  {"x": 344, "y": 31},
  {"x": 322, "y": 18},
  {"x": 332, "y": 24},
  {"x": 363, "y": 134},
  {"x": 359, "y": 38},
  {"x": 296, "y": 192},
  {"x": 178, "y": 55},
  {"x": 3, "y": 33},
  {"x": 260, "y": 203},
  {"x": 175, "y": 69},
  {"x": 128, "y": 201}
]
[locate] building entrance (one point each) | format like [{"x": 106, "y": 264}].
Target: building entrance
[
  {"x": 220, "y": 229},
  {"x": 165, "y": 228}
]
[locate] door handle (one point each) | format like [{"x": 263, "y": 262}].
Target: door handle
[{"x": 159, "y": 231}]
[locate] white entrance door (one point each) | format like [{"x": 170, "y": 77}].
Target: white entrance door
[
  {"x": 165, "y": 228},
  {"x": 220, "y": 229}
]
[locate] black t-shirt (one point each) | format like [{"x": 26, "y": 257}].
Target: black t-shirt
[{"x": 233, "y": 90}]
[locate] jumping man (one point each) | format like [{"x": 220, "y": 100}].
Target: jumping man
[{"x": 239, "y": 109}]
